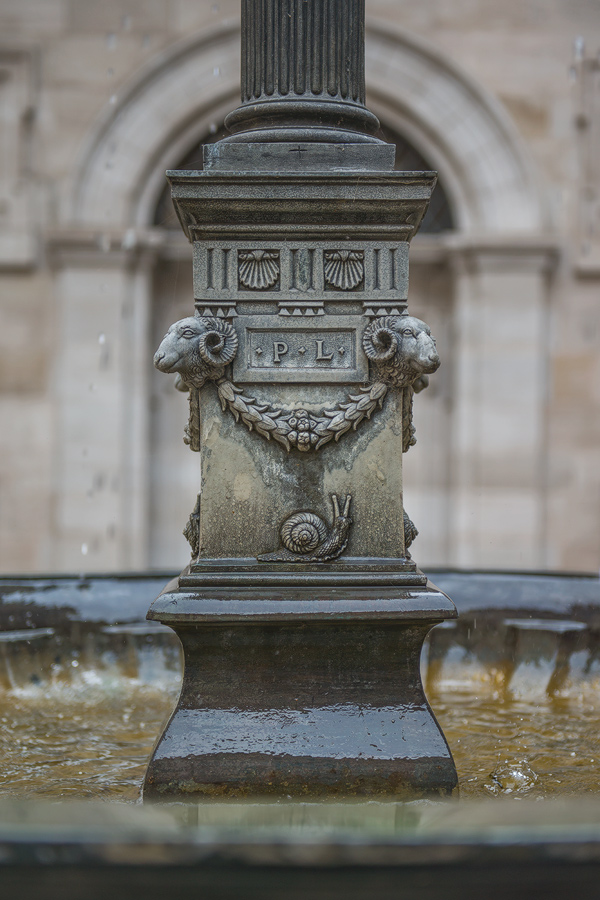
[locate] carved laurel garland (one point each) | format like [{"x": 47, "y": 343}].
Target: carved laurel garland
[{"x": 300, "y": 429}]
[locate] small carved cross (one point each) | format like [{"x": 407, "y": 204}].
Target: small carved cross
[{"x": 298, "y": 150}]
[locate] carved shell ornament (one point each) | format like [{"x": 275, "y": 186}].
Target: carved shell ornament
[
  {"x": 258, "y": 269},
  {"x": 344, "y": 269},
  {"x": 401, "y": 349},
  {"x": 306, "y": 538}
]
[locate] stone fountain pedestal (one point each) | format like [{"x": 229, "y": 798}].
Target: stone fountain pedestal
[
  {"x": 315, "y": 692},
  {"x": 302, "y": 614}
]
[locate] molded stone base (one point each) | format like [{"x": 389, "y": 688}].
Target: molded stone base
[{"x": 311, "y": 693}]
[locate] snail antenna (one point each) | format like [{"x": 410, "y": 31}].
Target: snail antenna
[
  {"x": 336, "y": 508},
  {"x": 347, "y": 504}
]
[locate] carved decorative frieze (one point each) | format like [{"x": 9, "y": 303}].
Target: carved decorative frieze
[
  {"x": 217, "y": 312},
  {"x": 258, "y": 270},
  {"x": 306, "y": 538},
  {"x": 297, "y": 308},
  {"x": 302, "y": 275},
  {"x": 401, "y": 349},
  {"x": 389, "y": 308},
  {"x": 344, "y": 269}
]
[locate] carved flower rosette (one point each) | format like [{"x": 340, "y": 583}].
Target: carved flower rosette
[{"x": 303, "y": 435}]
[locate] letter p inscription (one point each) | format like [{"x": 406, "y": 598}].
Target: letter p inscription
[{"x": 279, "y": 349}]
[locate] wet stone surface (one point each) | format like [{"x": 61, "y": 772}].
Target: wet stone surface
[{"x": 94, "y": 740}]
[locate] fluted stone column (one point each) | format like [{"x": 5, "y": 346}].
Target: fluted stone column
[{"x": 303, "y": 75}]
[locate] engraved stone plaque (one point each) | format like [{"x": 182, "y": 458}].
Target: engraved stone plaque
[{"x": 304, "y": 352}]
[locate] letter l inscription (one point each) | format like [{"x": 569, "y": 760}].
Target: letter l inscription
[{"x": 320, "y": 354}]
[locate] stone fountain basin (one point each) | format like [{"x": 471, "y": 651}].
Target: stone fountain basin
[{"x": 538, "y": 633}]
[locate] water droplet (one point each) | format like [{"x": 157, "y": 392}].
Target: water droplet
[
  {"x": 129, "y": 239},
  {"x": 213, "y": 127},
  {"x": 113, "y": 99},
  {"x": 84, "y": 549},
  {"x": 510, "y": 779},
  {"x": 74, "y": 663},
  {"x": 101, "y": 338},
  {"x": 216, "y": 71}
]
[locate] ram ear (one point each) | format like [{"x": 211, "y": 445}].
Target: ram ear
[
  {"x": 420, "y": 383},
  {"x": 218, "y": 344},
  {"x": 180, "y": 385}
]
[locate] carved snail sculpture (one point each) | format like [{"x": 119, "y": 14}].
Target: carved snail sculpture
[
  {"x": 306, "y": 538},
  {"x": 198, "y": 349}
]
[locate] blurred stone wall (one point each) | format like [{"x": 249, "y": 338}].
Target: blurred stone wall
[{"x": 97, "y": 99}]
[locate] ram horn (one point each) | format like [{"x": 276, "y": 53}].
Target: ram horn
[
  {"x": 218, "y": 344},
  {"x": 380, "y": 340}
]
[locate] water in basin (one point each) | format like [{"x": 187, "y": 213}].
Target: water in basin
[{"x": 88, "y": 730}]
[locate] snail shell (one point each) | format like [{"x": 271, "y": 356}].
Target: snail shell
[{"x": 303, "y": 532}]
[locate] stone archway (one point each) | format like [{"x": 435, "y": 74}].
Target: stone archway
[
  {"x": 110, "y": 201},
  {"x": 461, "y": 128}
]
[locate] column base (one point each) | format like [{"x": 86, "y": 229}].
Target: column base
[{"x": 310, "y": 692}]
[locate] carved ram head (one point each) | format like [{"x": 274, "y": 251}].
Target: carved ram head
[
  {"x": 197, "y": 349},
  {"x": 402, "y": 350}
]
